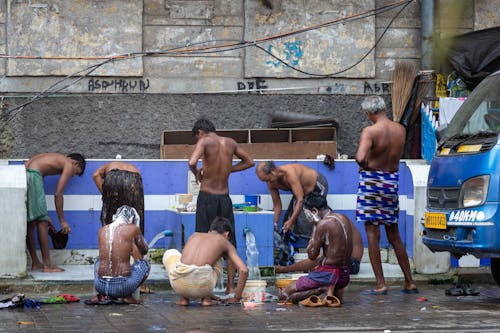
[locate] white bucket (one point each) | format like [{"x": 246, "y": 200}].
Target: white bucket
[
  {"x": 299, "y": 256},
  {"x": 255, "y": 291}
]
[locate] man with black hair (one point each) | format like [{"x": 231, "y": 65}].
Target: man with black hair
[
  {"x": 37, "y": 168},
  {"x": 195, "y": 274},
  {"x": 217, "y": 164},
  {"x": 331, "y": 236}
]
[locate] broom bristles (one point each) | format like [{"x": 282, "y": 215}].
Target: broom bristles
[{"x": 402, "y": 83}]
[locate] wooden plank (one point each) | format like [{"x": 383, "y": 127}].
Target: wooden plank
[{"x": 277, "y": 150}]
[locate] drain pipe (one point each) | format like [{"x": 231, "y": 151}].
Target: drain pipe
[{"x": 427, "y": 34}]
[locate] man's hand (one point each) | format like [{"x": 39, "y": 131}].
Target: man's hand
[
  {"x": 287, "y": 225},
  {"x": 199, "y": 175},
  {"x": 65, "y": 227}
]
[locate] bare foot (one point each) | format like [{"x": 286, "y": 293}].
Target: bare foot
[
  {"x": 36, "y": 267},
  {"x": 206, "y": 302},
  {"x": 53, "y": 269},
  {"x": 131, "y": 300},
  {"x": 183, "y": 301}
]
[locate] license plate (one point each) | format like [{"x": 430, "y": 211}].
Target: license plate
[{"x": 435, "y": 220}]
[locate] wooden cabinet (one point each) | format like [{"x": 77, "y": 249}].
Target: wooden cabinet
[{"x": 282, "y": 143}]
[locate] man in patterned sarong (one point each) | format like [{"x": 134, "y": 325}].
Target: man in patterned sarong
[{"x": 380, "y": 149}]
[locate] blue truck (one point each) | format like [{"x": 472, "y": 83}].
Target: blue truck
[{"x": 462, "y": 213}]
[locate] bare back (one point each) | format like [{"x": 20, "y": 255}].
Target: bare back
[
  {"x": 217, "y": 163},
  {"x": 334, "y": 235},
  {"x": 118, "y": 165},
  {"x": 292, "y": 175},
  {"x": 205, "y": 248},
  {"x": 49, "y": 163},
  {"x": 115, "y": 247},
  {"x": 381, "y": 146}
]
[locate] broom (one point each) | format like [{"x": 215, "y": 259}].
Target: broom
[
  {"x": 426, "y": 88},
  {"x": 403, "y": 77}
]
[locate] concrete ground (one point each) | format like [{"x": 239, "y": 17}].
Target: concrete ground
[{"x": 395, "y": 312}]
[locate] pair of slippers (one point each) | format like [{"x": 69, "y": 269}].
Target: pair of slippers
[
  {"x": 461, "y": 289},
  {"x": 315, "y": 301}
]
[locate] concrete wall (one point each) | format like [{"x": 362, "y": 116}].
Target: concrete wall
[
  {"x": 12, "y": 220},
  {"x": 123, "y": 105}
]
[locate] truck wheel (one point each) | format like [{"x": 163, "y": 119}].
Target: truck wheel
[{"x": 495, "y": 269}]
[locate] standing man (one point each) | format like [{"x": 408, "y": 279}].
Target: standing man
[
  {"x": 213, "y": 200},
  {"x": 37, "y": 167},
  {"x": 332, "y": 234},
  {"x": 120, "y": 183},
  {"x": 195, "y": 274},
  {"x": 380, "y": 149},
  {"x": 114, "y": 277},
  {"x": 302, "y": 181}
]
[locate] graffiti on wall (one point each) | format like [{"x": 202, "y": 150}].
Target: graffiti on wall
[
  {"x": 255, "y": 85},
  {"x": 292, "y": 52},
  {"x": 118, "y": 85},
  {"x": 376, "y": 88}
]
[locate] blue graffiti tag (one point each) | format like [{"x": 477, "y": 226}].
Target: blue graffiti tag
[{"x": 293, "y": 54}]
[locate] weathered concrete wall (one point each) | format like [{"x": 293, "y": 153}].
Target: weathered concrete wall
[
  {"x": 127, "y": 103},
  {"x": 130, "y": 125}
]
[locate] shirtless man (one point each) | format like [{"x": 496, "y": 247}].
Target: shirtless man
[
  {"x": 307, "y": 264},
  {"x": 114, "y": 277},
  {"x": 332, "y": 233},
  {"x": 213, "y": 200},
  {"x": 380, "y": 149},
  {"x": 195, "y": 274},
  {"x": 37, "y": 168},
  {"x": 301, "y": 181},
  {"x": 120, "y": 183}
]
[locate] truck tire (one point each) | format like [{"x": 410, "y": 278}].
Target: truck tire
[{"x": 495, "y": 269}]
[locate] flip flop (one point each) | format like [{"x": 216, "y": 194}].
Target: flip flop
[
  {"x": 468, "y": 291},
  {"x": 331, "y": 302},
  {"x": 454, "y": 291},
  {"x": 374, "y": 292},
  {"x": 312, "y": 301},
  {"x": 145, "y": 290},
  {"x": 410, "y": 291}
]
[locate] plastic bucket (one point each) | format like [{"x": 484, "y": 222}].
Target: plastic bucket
[
  {"x": 299, "y": 256},
  {"x": 252, "y": 199},
  {"x": 282, "y": 284},
  {"x": 255, "y": 291}
]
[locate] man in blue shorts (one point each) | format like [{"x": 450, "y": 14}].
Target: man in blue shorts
[{"x": 114, "y": 277}]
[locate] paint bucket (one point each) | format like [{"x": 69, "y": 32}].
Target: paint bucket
[
  {"x": 252, "y": 200},
  {"x": 254, "y": 291}
]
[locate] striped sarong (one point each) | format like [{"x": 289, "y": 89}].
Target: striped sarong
[{"x": 377, "y": 200}]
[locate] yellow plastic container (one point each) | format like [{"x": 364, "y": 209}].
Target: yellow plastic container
[{"x": 255, "y": 291}]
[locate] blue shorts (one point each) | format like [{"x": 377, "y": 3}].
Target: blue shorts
[{"x": 121, "y": 286}]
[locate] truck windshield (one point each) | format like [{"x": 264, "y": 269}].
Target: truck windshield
[{"x": 480, "y": 113}]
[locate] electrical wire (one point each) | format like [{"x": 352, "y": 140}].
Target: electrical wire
[{"x": 188, "y": 49}]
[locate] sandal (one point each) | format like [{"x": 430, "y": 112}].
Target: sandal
[
  {"x": 312, "y": 301},
  {"x": 454, "y": 291},
  {"x": 468, "y": 291},
  {"x": 331, "y": 302},
  {"x": 99, "y": 300},
  {"x": 145, "y": 290}
]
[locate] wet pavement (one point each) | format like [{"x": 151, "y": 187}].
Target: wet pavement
[{"x": 394, "y": 312}]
